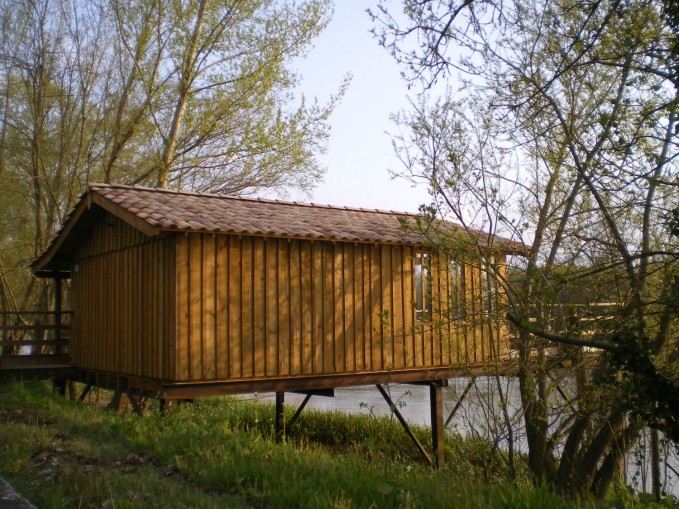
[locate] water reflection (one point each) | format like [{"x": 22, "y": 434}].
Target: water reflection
[
  {"x": 412, "y": 400},
  {"x": 478, "y": 414}
]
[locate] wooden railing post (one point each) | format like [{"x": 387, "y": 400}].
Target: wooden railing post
[
  {"x": 57, "y": 314},
  {"x": 38, "y": 336}
]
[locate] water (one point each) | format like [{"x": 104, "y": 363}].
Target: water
[
  {"x": 412, "y": 401},
  {"x": 472, "y": 417}
]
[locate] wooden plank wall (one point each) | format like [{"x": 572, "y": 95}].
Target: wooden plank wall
[
  {"x": 259, "y": 307},
  {"x": 124, "y": 302},
  {"x": 215, "y": 307},
  {"x": 478, "y": 335}
]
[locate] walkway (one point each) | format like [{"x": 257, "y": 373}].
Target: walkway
[{"x": 10, "y": 499}]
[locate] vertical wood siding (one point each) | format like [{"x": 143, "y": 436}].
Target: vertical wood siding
[
  {"x": 191, "y": 307},
  {"x": 260, "y": 307},
  {"x": 124, "y": 301}
]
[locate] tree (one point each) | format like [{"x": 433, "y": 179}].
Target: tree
[
  {"x": 182, "y": 94},
  {"x": 225, "y": 62},
  {"x": 566, "y": 141}
]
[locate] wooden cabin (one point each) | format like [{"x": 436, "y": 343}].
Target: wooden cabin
[{"x": 183, "y": 294}]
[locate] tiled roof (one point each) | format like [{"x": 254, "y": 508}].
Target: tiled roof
[
  {"x": 168, "y": 210},
  {"x": 154, "y": 211}
]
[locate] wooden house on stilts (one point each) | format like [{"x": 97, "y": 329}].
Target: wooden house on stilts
[{"x": 180, "y": 295}]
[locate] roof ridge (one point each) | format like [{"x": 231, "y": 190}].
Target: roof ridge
[{"x": 94, "y": 185}]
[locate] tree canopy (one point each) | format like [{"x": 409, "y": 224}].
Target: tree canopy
[
  {"x": 195, "y": 95},
  {"x": 561, "y": 133}
]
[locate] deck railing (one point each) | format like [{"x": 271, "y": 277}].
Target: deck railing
[
  {"x": 30, "y": 338},
  {"x": 570, "y": 319}
]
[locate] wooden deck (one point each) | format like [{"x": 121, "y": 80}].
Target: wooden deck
[
  {"x": 37, "y": 366},
  {"x": 35, "y": 343}
]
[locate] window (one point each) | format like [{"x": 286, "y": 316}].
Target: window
[
  {"x": 457, "y": 308},
  {"x": 489, "y": 289},
  {"x": 422, "y": 287}
]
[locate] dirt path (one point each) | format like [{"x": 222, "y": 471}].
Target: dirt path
[{"x": 10, "y": 499}]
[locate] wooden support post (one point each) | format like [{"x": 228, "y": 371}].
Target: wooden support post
[
  {"x": 115, "y": 401},
  {"x": 656, "y": 484},
  {"x": 299, "y": 410},
  {"x": 57, "y": 314},
  {"x": 326, "y": 393},
  {"x": 85, "y": 392},
  {"x": 167, "y": 404},
  {"x": 136, "y": 406},
  {"x": 280, "y": 416},
  {"x": 437, "y": 427},
  {"x": 59, "y": 386},
  {"x": 71, "y": 389},
  {"x": 459, "y": 401}
]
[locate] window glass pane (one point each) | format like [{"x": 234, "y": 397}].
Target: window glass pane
[
  {"x": 457, "y": 290},
  {"x": 489, "y": 288},
  {"x": 422, "y": 287}
]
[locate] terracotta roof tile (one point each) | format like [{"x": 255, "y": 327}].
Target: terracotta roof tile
[
  {"x": 187, "y": 211},
  {"x": 161, "y": 210}
]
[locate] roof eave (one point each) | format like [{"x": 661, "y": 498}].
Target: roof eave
[
  {"x": 39, "y": 264},
  {"x": 46, "y": 265}
]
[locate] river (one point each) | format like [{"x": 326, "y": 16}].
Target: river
[{"x": 472, "y": 417}]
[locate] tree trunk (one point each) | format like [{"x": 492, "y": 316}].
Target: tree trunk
[
  {"x": 188, "y": 74},
  {"x": 611, "y": 466},
  {"x": 535, "y": 418}
]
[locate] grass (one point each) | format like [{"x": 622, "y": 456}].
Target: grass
[{"x": 221, "y": 453}]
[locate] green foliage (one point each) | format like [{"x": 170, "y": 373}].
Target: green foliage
[
  {"x": 221, "y": 453},
  {"x": 643, "y": 390},
  {"x": 673, "y": 221},
  {"x": 563, "y": 136},
  {"x": 192, "y": 95}
]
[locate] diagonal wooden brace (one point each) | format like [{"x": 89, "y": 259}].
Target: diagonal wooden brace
[{"x": 403, "y": 422}]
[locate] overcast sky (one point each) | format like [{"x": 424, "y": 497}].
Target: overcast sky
[{"x": 359, "y": 151}]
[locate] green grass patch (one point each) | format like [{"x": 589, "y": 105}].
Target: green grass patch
[{"x": 221, "y": 452}]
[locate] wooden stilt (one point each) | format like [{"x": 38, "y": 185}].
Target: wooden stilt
[
  {"x": 70, "y": 389},
  {"x": 280, "y": 416},
  {"x": 85, "y": 392},
  {"x": 326, "y": 393},
  {"x": 299, "y": 410},
  {"x": 459, "y": 401},
  {"x": 403, "y": 422},
  {"x": 437, "y": 427},
  {"x": 59, "y": 386},
  {"x": 57, "y": 315},
  {"x": 115, "y": 401},
  {"x": 136, "y": 407},
  {"x": 166, "y": 404}
]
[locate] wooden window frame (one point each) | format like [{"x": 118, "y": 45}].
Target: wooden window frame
[
  {"x": 423, "y": 287},
  {"x": 490, "y": 305},
  {"x": 457, "y": 294}
]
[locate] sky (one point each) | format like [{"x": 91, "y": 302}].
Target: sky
[{"x": 359, "y": 150}]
